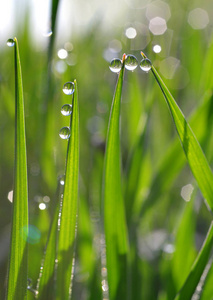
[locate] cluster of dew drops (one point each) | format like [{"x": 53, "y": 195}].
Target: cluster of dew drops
[
  {"x": 66, "y": 109},
  {"x": 131, "y": 64}
]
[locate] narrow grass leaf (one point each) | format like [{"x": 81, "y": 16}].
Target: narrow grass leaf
[
  {"x": 197, "y": 269},
  {"x": 45, "y": 287},
  {"x": 114, "y": 212},
  {"x": 69, "y": 208},
  {"x": 174, "y": 159},
  {"x": 194, "y": 154},
  {"x": 17, "y": 281}
]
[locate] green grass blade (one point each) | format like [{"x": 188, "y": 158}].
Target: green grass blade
[
  {"x": 114, "y": 213},
  {"x": 192, "y": 280},
  {"x": 69, "y": 208},
  {"x": 174, "y": 159},
  {"x": 17, "y": 281},
  {"x": 45, "y": 287},
  {"x": 194, "y": 154}
]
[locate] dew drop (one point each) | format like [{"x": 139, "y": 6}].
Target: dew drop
[
  {"x": 66, "y": 109},
  {"x": 62, "y": 180},
  {"x": 29, "y": 283},
  {"x": 68, "y": 88},
  {"x": 145, "y": 65},
  {"x": 131, "y": 62},
  {"x": 10, "y": 43},
  {"x": 115, "y": 65},
  {"x": 64, "y": 133}
]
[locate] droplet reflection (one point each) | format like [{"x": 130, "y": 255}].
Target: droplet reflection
[
  {"x": 115, "y": 65},
  {"x": 145, "y": 65},
  {"x": 69, "y": 88},
  {"x": 66, "y": 109},
  {"x": 131, "y": 62},
  {"x": 64, "y": 133},
  {"x": 10, "y": 43}
]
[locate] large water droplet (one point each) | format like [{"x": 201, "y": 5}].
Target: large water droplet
[
  {"x": 145, "y": 65},
  {"x": 131, "y": 62},
  {"x": 64, "y": 133},
  {"x": 69, "y": 88},
  {"x": 62, "y": 180},
  {"x": 115, "y": 65},
  {"x": 66, "y": 109},
  {"x": 10, "y": 43}
]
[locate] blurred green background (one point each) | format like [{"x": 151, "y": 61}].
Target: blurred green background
[{"x": 175, "y": 35}]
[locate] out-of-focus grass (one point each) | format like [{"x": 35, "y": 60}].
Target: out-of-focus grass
[{"x": 153, "y": 163}]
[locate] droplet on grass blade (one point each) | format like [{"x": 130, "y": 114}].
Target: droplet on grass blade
[
  {"x": 62, "y": 180},
  {"x": 131, "y": 62},
  {"x": 66, "y": 109},
  {"x": 68, "y": 88},
  {"x": 145, "y": 65},
  {"x": 64, "y": 133},
  {"x": 10, "y": 43},
  {"x": 115, "y": 65}
]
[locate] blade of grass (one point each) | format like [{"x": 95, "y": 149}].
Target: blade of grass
[
  {"x": 46, "y": 277},
  {"x": 194, "y": 154},
  {"x": 69, "y": 208},
  {"x": 17, "y": 280},
  {"x": 174, "y": 160},
  {"x": 114, "y": 212},
  {"x": 197, "y": 269}
]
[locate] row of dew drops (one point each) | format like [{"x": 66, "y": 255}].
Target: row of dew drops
[
  {"x": 131, "y": 64},
  {"x": 66, "y": 110}
]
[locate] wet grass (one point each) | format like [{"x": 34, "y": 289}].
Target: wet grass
[{"x": 135, "y": 206}]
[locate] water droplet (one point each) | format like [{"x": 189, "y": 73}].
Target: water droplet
[
  {"x": 115, "y": 65},
  {"x": 145, "y": 65},
  {"x": 10, "y": 43},
  {"x": 131, "y": 62},
  {"x": 62, "y": 180},
  {"x": 64, "y": 133},
  {"x": 69, "y": 88},
  {"x": 66, "y": 109},
  {"x": 29, "y": 283}
]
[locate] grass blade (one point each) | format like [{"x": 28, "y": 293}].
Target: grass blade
[
  {"x": 114, "y": 213},
  {"x": 46, "y": 278},
  {"x": 194, "y": 154},
  {"x": 192, "y": 280},
  {"x": 69, "y": 208},
  {"x": 17, "y": 281}
]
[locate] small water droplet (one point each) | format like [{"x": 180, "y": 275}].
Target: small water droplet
[
  {"x": 115, "y": 65},
  {"x": 64, "y": 133},
  {"x": 131, "y": 62},
  {"x": 29, "y": 283},
  {"x": 66, "y": 109},
  {"x": 145, "y": 65},
  {"x": 10, "y": 43},
  {"x": 68, "y": 88},
  {"x": 62, "y": 180}
]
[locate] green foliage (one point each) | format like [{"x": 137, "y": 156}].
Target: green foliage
[
  {"x": 136, "y": 237},
  {"x": 18, "y": 260}
]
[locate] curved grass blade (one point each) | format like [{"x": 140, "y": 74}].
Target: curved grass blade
[
  {"x": 114, "y": 212},
  {"x": 198, "y": 267},
  {"x": 174, "y": 159},
  {"x": 45, "y": 287},
  {"x": 69, "y": 208},
  {"x": 17, "y": 281},
  {"x": 194, "y": 154}
]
